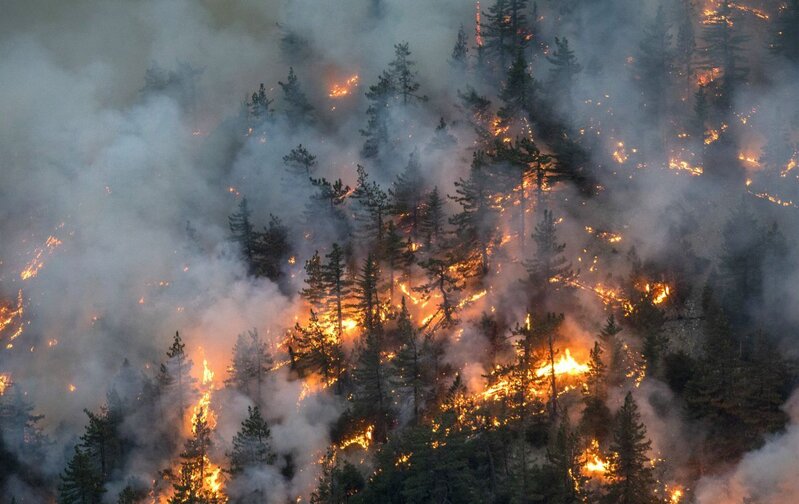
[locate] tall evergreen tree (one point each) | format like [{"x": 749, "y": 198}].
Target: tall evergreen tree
[
  {"x": 366, "y": 294},
  {"x": 179, "y": 367},
  {"x": 300, "y": 164},
  {"x": 403, "y": 75},
  {"x": 189, "y": 485},
  {"x": 410, "y": 369},
  {"x": 380, "y": 96},
  {"x": 548, "y": 271},
  {"x": 407, "y": 196},
  {"x": 80, "y": 483},
  {"x": 431, "y": 222},
  {"x": 596, "y": 417},
  {"x": 314, "y": 350},
  {"x": 338, "y": 286},
  {"x": 298, "y": 109},
  {"x": 371, "y": 378},
  {"x": 251, "y": 364},
  {"x": 371, "y": 207},
  {"x": 251, "y": 447},
  {"x": 563, "y": 73},
  {"x": 442, "y": 280},
  {"x": 314, "y": 291},
  {"x": 460, "y": 53},
  {"x": 258, "y": 108},
  {"x": 630, "y": 478},
  {"x": 653, "y": 71},
  {"x": 518, "y": 94},
  {"x": 476, "y": 224},
  {"x": 272, "y": 249},
  {"x": 243, "y": 233},
  {"x": 723, "y": 45}
]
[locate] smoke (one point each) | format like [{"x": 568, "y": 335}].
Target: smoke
[
  {"x": 116, "y": 171},
  {"x": 767, "y": 475}
]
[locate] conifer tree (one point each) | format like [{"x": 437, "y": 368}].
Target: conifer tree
[
  {"x": 300, "y": 164},
  {"x": 476, "y": 223},
  {"x": 338, "y": 482},
  {"x": 366, "y": 295},
  {"x": 189, "y": 484},
  {"x": 328, "y": 200},
  {"x": 564, "y": 466},
  {"x": 618, "y": 366},
  {"x": 403, "y": 75},
  {"x": 431, "y": 222},
  {"x": 380, "y": 97},
  {"x": 251, "y": 364},
  {"x": 314, "y": 291},
  {"x": 80, "y": 481},
  {"x": 563, "y": 73},
  {"x": 272, "y": 249},
  {"x": 630, "y": 478},
  {"x": 442, "y": 138},
  {"x": 315, "y": 351},
  {"x": 338, "y": 286},
  {"x": 243, "y": 233},
  {"x": 370, "y": 208},
  {"x": 518, "y": 93},
  {"x": 409, "y": 366},
  {"x": 685, "y": 44},
  {"x": 394, "y": 255},
  {"x": 596, "y": 417},
  {"x": 653, "y": 70},
  {"x": 179, "y": 367},
  {"x": 460, "y": 53},
  {"x": 406, "y": 194},
  {"x": 298, "y": 109},
  {"x": 444, "y": 281},
  {"x": 548, "y": 271},
  {"x": 505, "y": 32},
  {"x": 371, "y": 378},
  {"x": 723, "y": 45},
  {"x": 102, "y": 440},
  {"x": 251, "y": 447},
  {"x": 258, "y": 107}
]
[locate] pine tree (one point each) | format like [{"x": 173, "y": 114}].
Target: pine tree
[
  {"x": 394, "y": 254},
  {"x": 477, "y": 111},
  {"x": 337, "y": 285},
  {"x": 505, "y": 32},
  {"x": 314, "y": 291},
  {"x": 722, "y": 49},
  {"x": 548, "y": 271},
  {"x": 630, "y": 475},
  {"x": 406, "y": 196},
  {"x": 380, "y": 97},
  {"x": 740, "y": 268},
  {"x": 443, "y": 280},
  {"x": 251, "y": 444},
  {"x": 524, "y": 159},
  {"x": 596, "y": 417},
  {"x": 372, "y": 400},
  {"x": 179, "y": 367},
  {"x": 476, "y": 224},
  {"x": 298, "y": 109},
  {"x": 618, "y": 365},
  {"x": 102, "y": 440},
  {"x": 403, "y": 75},
  {"x": 189, "y": 485},
  {"x": 785, "y": 40},
  {"x": 563, "y": 73},
  {"x": 460, "y": 53},
  {"x": 272, "y": 249},
  {"x": 431, "y": 221},
  {"x": 300, "y": 164},
  {"x": 442, "y": 138},
  {"x": 518, "y": 93},
  {"x": 338, "y": 483},
  {"x": 370, "y": 208},
  {"x": 251, "y": 364},
  {"x": 258, "y": 107},
  {"x": 243, "y": 233},
  {"x": 564, "y": 466},
  {"x": 409, "y": 366},
  {"x": 366, "y": 295},
  {"x": 328, "y": 200},
  {"x": 653, "y": 70},
  {"x": 316, "y": 351},
  {"x": 80, "y": 481}
]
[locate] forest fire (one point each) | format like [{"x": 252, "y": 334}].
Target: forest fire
[
  {"x": 595, "y": 466},
  {"x": 11, "y": 319},
  {"x": 520, "y": 267},
  {"x": 37, "y": 263},
  {"x": 342, "y": 89}
]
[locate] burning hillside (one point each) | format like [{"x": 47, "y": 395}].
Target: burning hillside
[{"x": 379, "y": 251}]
